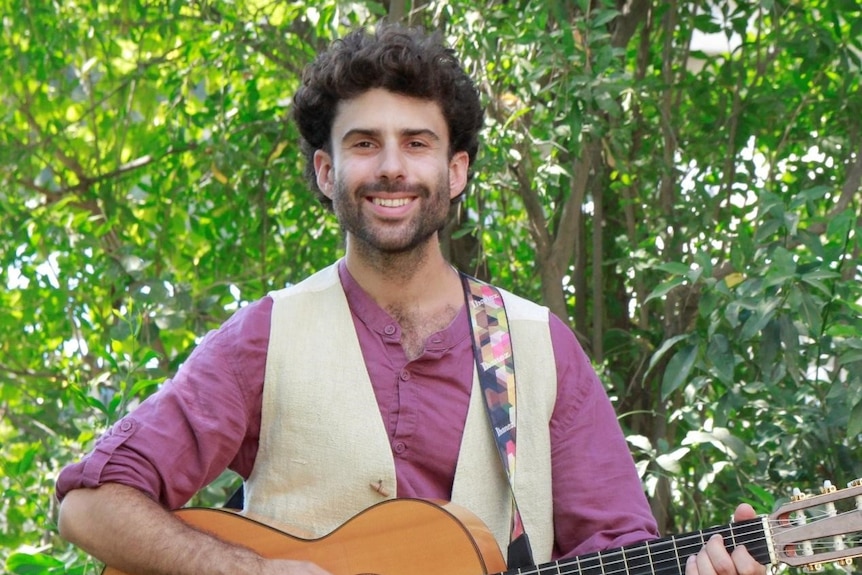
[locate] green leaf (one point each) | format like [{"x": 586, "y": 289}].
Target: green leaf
[
  {"x": 33, "y": 564},
  {"x": 790, "y": 340},
  {"x": 721, "y": 357},
  {"x": 854, "y": 425},
  {"x": 767, "y": 229},
  {"x": 663, "y": 289},
  {"x": 678, "y": 370},
  {"x": 659, "y": 353},
  {"x": 840, "y": 225},
  {"x": 811, "y": 314},
  {"x": 781, "y": 269},
  {"x": 768, "y": 354},
  {"x": 821, "y": 274},
  {"x": 602, "y": 17},
  {"x": 850, "y": 356},
  {"x": 144, "y": 385},
  {"x": 763, "y": 498},
  {"x": 674, "y": 268},
  {"x": 809, "y": 195},
  {"x": 762, "y": 314}
]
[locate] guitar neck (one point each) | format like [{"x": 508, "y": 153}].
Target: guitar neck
[{"x": 666, "y": 556}]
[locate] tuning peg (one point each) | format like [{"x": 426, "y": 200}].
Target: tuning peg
[
  {"x": 798, "y": 495},
  {"x": 828, "y": 487}
]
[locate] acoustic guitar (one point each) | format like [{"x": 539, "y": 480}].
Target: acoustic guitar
[{"x": 418, "y": 537}]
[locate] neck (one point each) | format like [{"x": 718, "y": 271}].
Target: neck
[{"x": 399, "y": 279}]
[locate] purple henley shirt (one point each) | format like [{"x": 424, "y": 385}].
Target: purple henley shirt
[{"x": 207, "y": 418}]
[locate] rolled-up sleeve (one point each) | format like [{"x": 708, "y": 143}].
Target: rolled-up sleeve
[
  {"x": 88, "y": 471},
  {"x": 203, "y": 421}
]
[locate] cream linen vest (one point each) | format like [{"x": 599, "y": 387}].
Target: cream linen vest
[{"x": 323, "y": 441}]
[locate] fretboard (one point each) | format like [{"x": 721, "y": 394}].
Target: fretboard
[{"x": 666, "y": 556}]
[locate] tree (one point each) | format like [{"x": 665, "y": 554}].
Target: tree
[
  {"x": 697, "y": 217},
  {"x": 694, "y": 215}
]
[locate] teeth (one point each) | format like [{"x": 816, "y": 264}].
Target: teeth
[{"x": 391, "y": 203}]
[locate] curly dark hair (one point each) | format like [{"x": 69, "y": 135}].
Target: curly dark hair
[{"x": 403, "y": 60}]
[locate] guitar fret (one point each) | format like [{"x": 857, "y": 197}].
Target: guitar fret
[
  {"x": 664, "y": 557},
  {"x": 649, "y": 558},
  {"x": 639, "y": 562},
  {"x": 676, "y": 554},
  {"x": 590, "y": 564},
  {"x": 625, "y": 561},
  {"x": 609, "y": 561}
]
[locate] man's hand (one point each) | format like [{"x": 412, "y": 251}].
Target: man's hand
[
  {"x": 713, "y": 558},
  {"x": 132, "y": 533}
]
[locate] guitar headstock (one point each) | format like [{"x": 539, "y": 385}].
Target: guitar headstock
[{"x": 812, "y": 530}]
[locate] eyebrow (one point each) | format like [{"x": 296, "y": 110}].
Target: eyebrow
[{"x": 408, "y": 132}]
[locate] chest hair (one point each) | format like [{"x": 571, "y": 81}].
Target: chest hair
[{"x": 417, "y": 326}]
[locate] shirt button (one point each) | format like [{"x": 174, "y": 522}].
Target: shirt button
[
  {"x": 125, "y": 425},
  {"x": 400, "y": 447},
  {"x": 389, "y": 329},
  {"x": 404, "y": 375}
]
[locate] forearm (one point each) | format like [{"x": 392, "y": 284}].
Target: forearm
[{"x": 130, "y": 532}]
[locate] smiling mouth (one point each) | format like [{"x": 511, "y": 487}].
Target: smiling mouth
[{"x": 391, "y": 202}]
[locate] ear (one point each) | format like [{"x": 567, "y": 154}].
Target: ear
[
  {"x": 459, "y": 165},
  {"x": 324, "y": 171}
]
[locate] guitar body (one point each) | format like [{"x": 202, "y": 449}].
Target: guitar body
[
  {"x": 419, "y": 537},
  {"x": 396, "y": 537}
]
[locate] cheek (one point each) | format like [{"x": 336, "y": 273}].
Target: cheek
[{"x": 352, "y": 171}]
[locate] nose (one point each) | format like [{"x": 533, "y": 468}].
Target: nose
[{"x": 391, "y": 164}]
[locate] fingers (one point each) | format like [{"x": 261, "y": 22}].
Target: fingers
[
  {"x": 746, "y": 564},
  {"x": 713, "y": 559},
  {"x": 743, "y": 512}
]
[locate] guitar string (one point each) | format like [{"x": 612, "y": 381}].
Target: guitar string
[
  {"x": 680, "y": 547},
  {"x": 676, "y": 550}
]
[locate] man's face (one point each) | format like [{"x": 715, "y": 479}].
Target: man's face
[{"x": 390, "y": 176}]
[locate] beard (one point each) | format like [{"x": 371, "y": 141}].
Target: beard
[{"x": 396, "y": 237}]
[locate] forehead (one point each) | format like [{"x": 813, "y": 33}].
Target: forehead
[{"x": 386, "y": 112}]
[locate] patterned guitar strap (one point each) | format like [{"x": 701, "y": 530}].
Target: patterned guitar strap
[{"x": 492, "y": 348}]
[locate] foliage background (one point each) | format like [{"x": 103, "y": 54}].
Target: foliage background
[{"x": 680, "y": 181}]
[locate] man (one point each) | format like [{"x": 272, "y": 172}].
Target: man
[{"x": 358, "y": 384}]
